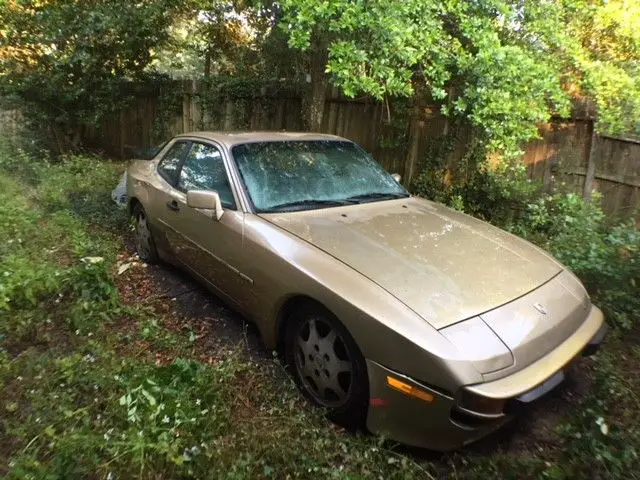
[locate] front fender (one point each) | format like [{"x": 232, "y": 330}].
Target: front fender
[{"x": 385, "y": 330}]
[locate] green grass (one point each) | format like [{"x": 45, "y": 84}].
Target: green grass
[{"x": 93, "y": 387}]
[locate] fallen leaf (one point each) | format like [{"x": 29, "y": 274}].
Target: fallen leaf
[{"x": 123, "y": 268}]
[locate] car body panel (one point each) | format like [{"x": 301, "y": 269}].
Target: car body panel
[
  {"x": 537, "y": 323},
  {"x": 394, "y": 272},
  {"x": 534, "y": 374},
  {"x": 435, "y": 424},
  {"x": 415, "y": 422},
  {"x": 444, "y": 265}
]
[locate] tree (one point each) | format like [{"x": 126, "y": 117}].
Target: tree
[
  {"x": 221, "y": 38},
  {"x": 504, "y": 66},
  {"x": 71, "y": 59}
]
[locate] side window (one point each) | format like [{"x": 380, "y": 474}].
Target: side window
[
  {"x": 204, "y": 170},
  {"x": 169, "y": 166}
]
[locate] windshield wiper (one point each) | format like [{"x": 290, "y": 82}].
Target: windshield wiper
[
  {"x": 367, "y": 197},
  {"x": 311, "y": 203}
]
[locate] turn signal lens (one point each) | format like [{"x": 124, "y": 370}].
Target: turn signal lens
[{"x": 409, "y": 389}]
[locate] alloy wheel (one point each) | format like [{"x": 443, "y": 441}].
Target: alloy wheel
[{"x": 322, "y": 361}]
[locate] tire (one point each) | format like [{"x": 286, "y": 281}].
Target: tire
[
  {"x": 145, "y": 245},
  {"x": 327, "y": 365}
]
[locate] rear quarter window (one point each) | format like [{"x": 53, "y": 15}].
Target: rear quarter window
[{"x": 169, "y": 166}]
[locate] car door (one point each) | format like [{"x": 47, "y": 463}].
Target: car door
[
  {"x": 209, "y": 247},
  {"x": 161, "y": 198}
]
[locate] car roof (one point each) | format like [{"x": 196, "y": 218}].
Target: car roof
[{"x": 234, "y": 138}]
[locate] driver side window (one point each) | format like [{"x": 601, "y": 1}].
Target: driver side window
[{"x": 204, "y": 169}]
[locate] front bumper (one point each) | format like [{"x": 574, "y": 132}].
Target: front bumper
[{"x": 443, "y": 423}]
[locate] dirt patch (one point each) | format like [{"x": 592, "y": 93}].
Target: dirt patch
[{"x": 189, "y": 308}]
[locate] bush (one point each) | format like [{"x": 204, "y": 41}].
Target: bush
[
  {"x": 495, "y": 193},
  {"x": 607, "y": 259}
]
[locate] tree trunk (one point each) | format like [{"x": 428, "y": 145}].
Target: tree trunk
[
  {"x": 207, "y": 63},
  {"x": 66, "y": 138},
  {"x": 318, "y": 89}
]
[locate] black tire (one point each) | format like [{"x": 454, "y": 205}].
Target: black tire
[
  {"x": 322, "y": 375},
  {"x": 145, "y": 245}
]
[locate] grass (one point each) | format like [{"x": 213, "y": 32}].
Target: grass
[{"x": 98, "y": 382}]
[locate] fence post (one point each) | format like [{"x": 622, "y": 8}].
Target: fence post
[
  {"x": 415, "y": 132},
  {"x": 591, "y": 165},
  {"x": 186, "y": 106},
  {"x": 122, "y": 120}
]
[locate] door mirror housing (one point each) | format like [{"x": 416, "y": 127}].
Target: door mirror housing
[
  {"x": 397, "y": 177},
  {"x": 205, "y": 200}
]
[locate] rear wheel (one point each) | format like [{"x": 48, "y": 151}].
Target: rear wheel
[
  {"x": 327, "y": 365},
  {"x": 145, "y": 246}
]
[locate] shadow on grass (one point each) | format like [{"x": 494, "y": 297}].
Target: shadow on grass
[{"x": 97, "y": 208}]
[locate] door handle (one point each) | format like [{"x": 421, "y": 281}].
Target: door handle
[{"x": 173, "y": 205}]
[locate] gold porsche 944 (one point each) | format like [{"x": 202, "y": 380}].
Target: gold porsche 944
[{"x": 394, "y": 312}]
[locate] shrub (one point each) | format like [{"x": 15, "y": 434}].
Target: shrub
[
  {"x": 492, "y": 191},
  {"x": 607, "y": 259}
]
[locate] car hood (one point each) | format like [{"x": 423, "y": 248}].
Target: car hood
[{"x": 444, "y": 265}]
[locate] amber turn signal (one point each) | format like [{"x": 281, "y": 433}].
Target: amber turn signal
[{"x": 409, "y": 389}]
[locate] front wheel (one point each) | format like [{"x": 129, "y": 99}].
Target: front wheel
[{"x": 327, "y": 365}]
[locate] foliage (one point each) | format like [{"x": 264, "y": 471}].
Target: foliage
[
  {"x": 607, "y": 259},
  {"x": 223, "y": 38},
  {"x": 493, "y": 189},
  {"x": 506, "y": 66},
  {"x": 606, "y": 50},
  {"x": 603, "y": 435},
  {"x": 246, "y": 93},
  {"x": 70, "y": 60}
]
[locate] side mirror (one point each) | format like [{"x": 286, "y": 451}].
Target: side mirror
[
  {"x": 205, "y": 200},
  {"x": 396, "y": 177}
]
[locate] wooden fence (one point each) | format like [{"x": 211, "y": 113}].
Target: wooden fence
[
  {"x": 567, "y": 156},
  {"x": 10, "y": 121},
  {"x": 570, "y": 156}
]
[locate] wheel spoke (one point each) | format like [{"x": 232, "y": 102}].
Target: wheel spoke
[
  {"x": 329, "y": 340},
  {"x": 332, "y": 384},
  {"x": 142, "y": 237},
  {"x": 313, "y": 332},
  {"x": 342, "y": 366}
]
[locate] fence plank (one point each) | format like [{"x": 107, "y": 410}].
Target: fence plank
[{"x": 591, "y": 166}]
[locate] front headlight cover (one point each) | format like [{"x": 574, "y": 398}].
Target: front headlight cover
[{"x": 479, "y": 344}]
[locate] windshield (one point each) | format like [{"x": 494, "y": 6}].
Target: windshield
[{"x": 302, "y": 175}]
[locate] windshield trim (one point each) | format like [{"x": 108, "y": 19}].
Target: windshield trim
[{"x": 247, "y": 194}]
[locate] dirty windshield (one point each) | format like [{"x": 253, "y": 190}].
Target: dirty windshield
[{"x": 303, "y": 175}]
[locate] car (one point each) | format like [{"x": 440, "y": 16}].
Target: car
[{"x": 395, "y": 313}]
